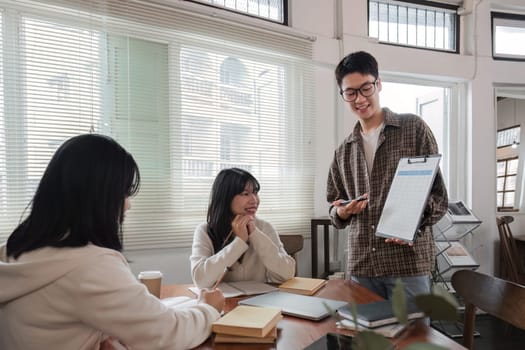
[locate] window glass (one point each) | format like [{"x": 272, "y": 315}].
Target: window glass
[
  {"x": 3, "y": 153},
  {"x": 429, "y": 102},
  {"x": 506, "y": 183},
  {"x": 508, "y": 199},
  {"x": 509, "y": 136},
  {"x": 273, "y": 10},
  {"x": 61, "y": 89},
  {"x": 501, "y": 169},
  {"x": 513, "y": 166},
  {"x": 430, "y": 25},
  {"x": 507, "y": 30},
  {"x": 501, "y": 181}
]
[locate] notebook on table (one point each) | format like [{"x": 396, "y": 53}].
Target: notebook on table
[
  {"x": 235, "y": 289},
  {"x": 297, "y": 305},
  {"x": 378, "y": 313}
]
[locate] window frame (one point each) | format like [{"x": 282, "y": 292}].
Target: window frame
[
  {"x": 424, "y": 3},
  {"x": 494, "y": 15},
  {"x": 505, "y": 176},
  {"x": 284, "y": 14}
]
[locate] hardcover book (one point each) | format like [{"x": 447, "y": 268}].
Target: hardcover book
[
  {"x": 302, "y": 285},
  {"x": 248, "y": 321},
  {"x": 389, "y": 330},
  {"x": 378, "y": 313},
  {"x": 227, "y": 338}
]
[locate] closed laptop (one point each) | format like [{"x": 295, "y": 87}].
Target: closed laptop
[{"x": 297, "y": 305}]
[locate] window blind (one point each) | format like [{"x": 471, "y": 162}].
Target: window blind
[{"x": 186, "y": 95}]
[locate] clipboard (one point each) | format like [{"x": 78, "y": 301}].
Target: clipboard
[{"x": 407, "y": 197}]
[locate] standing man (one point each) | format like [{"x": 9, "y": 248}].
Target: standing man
[{"x": 365, "y": 165}]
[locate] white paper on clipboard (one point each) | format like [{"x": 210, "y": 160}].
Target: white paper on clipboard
[{"x": 407, "y": 197}]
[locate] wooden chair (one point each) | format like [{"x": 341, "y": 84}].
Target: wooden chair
[
  {"x": 292, "y": 244},
  {"x": 502, "y": 299},
  {"x": 511, "y": 265}
]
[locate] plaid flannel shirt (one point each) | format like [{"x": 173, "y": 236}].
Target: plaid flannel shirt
[{"x": 404, "y": 135}]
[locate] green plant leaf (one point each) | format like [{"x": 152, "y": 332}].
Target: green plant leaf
[
  {"x": 368, "y": 340},
  {"x": 437, "y": 307},
  {"x": 439, "y": 290},
  {"x": 399, "y": 302},
  {"x": 353, "y": 305},
  {"x": 424, "y": 346}
]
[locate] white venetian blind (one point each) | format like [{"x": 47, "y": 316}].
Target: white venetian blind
[{"x": 186, "y": 95}]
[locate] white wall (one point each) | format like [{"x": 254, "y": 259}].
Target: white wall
[{"x": 474, "y": 66}]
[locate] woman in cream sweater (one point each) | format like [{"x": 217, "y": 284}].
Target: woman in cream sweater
[{"x": 234, "y": 239}]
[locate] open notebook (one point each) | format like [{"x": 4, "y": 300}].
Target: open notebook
[
  {"x": 235, "y": 289},
  {"x": 179, "y": 302}
]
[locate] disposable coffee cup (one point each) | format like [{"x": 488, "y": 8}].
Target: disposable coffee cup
[{"x": 152, "y": 280}]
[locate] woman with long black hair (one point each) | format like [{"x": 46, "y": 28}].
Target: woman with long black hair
[
  {"x": 65, "y": 284},
  {"x": 236, "y": 241}
]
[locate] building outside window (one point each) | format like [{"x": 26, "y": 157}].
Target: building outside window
[
  {"x": 272, "y": 10},
  {"x": 425, "y": 24}
]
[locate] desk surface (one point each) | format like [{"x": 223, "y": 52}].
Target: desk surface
[{"x": 296, "y": 333}]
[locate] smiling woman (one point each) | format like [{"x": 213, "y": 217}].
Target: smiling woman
[{"x": 234, "y": 240}]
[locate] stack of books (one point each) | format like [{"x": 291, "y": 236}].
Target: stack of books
[
  {"x": 302, "y": 285},
  {"x": 248, "y": 324}
]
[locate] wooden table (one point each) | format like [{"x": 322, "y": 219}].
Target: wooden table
[{"x": 295, "y": 333}]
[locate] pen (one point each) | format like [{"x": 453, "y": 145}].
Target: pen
[
  {"x": 359, "y": 199},
  {"x": 220, "y": 278}
]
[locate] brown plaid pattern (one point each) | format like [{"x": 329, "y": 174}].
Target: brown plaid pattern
[{"x": 404, "y": 135}]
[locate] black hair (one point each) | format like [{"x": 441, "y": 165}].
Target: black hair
[
  {"x": 80, "y": 198},
  {"x": 228, "y": 183},
  {"x": 357, "y": 62}
]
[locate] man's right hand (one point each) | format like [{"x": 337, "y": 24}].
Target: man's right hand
[{"x": 352, "y": 208}]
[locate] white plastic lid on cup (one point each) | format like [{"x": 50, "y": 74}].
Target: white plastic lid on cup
[{"x": 148, "y": 275}]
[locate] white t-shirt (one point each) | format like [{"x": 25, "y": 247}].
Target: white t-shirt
[{"x": 370, "y": 145}]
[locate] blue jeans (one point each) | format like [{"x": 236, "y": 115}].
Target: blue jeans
[{"x": 383, "y": 286}]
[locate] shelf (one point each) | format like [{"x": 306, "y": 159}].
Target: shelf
[
  {"x": 454, "y": 257},
  {"x": 458, "y": 222},
  {"x": 451, "y": 255}
]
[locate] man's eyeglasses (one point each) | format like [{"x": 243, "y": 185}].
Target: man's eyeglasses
[{"x": 366, "y": 90}]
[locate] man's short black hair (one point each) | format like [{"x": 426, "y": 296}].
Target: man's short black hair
[{"x": 357, "y": 62}]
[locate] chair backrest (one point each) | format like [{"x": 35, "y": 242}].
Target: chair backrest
[
  {"x": 512, "y": 267},
  {"x": 292, "y": 243},
  {"x": 502, "y": 299}
]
